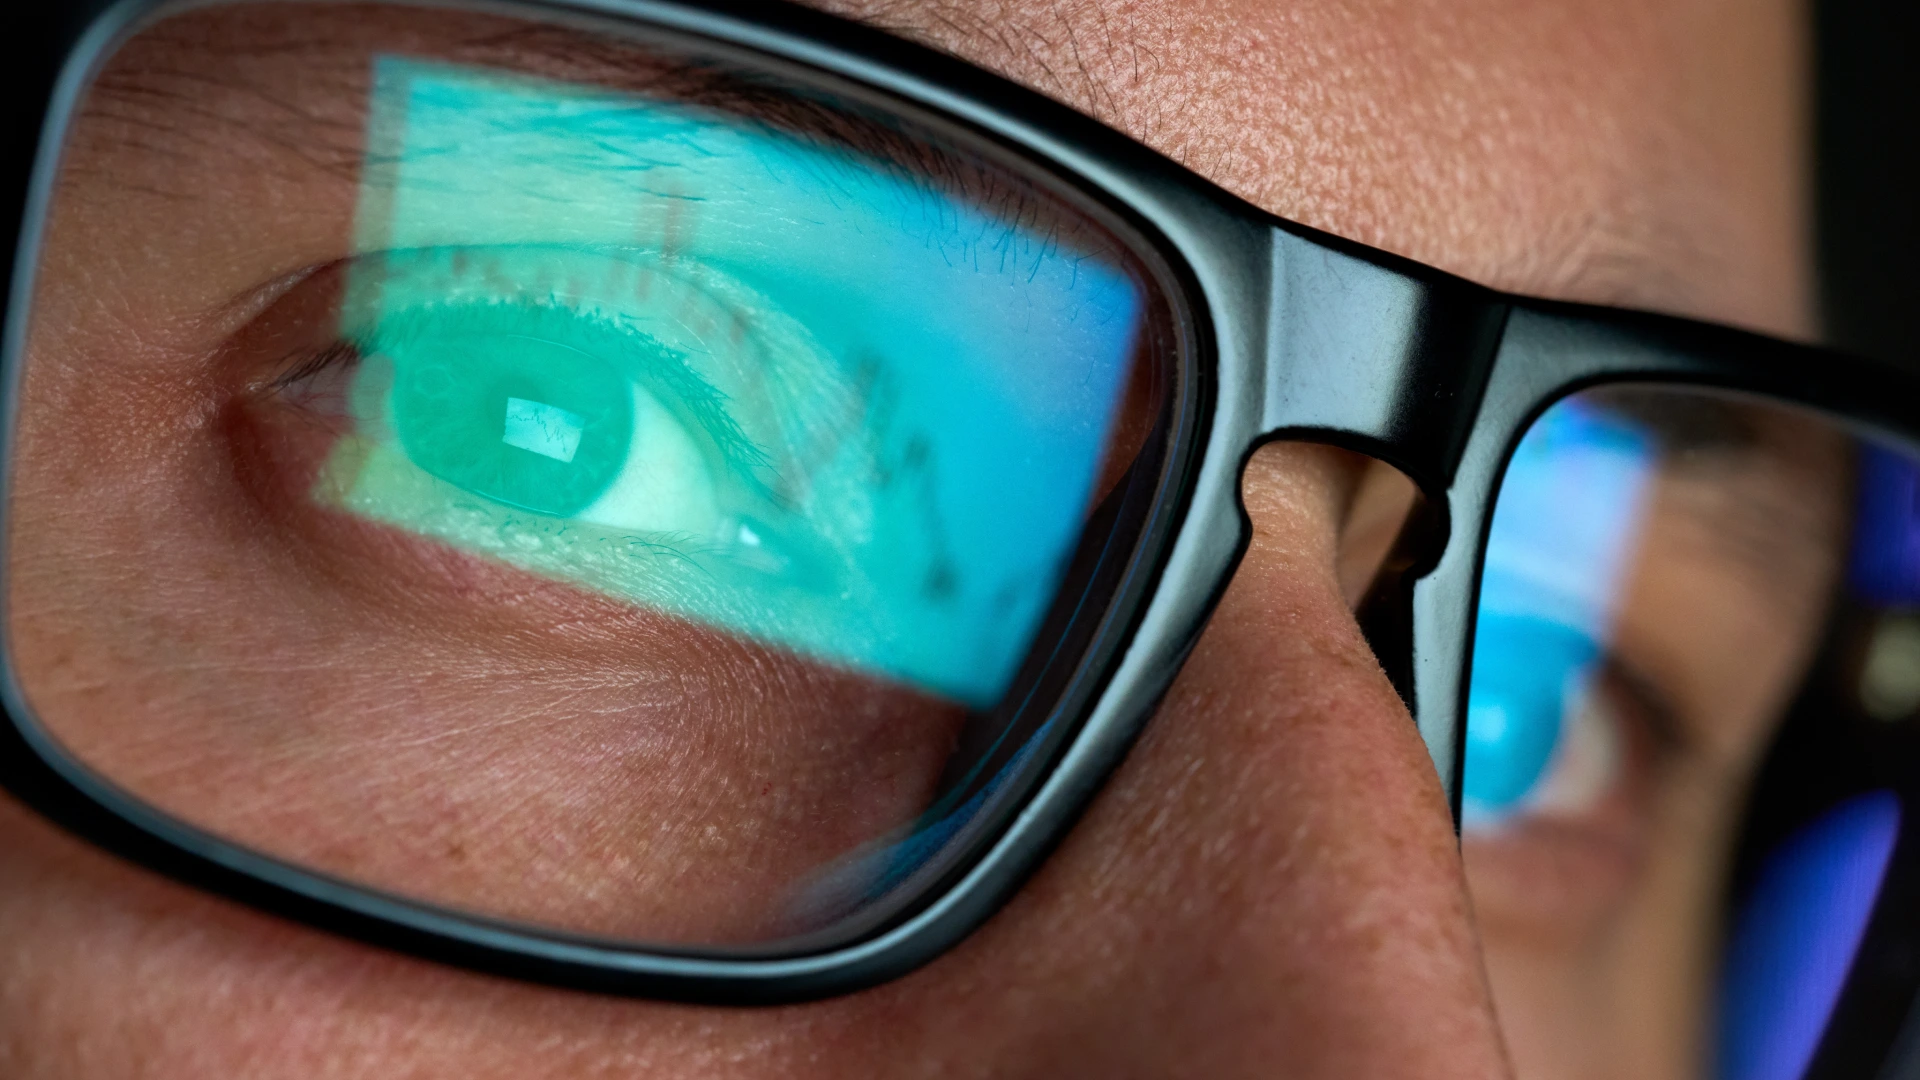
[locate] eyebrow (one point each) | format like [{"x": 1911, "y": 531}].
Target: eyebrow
[
  {"x": 1770, "y": 486},
  {"x": 161, "y": 97},
  {"x": 1686, "y": 421}
]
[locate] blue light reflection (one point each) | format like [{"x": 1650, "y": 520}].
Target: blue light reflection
[
  {"x": 868, "y": 413},
  {"x": 1795, "y": 940},
  {"x": 1561, "y": 540}
]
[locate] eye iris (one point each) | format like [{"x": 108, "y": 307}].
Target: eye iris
[
  {"x": 1524, "y": 670},
  {"x": 518, "y": 420}
]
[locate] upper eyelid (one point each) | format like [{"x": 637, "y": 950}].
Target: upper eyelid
[
  {"x": 1696, "y": 441},
  {"x": 921, "y": 159},
  {"x": 1661, "y": 716},
  {"x": 698, "y": 397}
]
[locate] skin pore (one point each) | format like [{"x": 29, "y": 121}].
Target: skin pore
[{"x": 1270, "y": 885}]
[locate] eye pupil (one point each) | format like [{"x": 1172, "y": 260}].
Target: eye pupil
[{"x": 514, "y": 419}]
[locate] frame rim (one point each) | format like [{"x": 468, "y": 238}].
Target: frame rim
[
  {"x": 35, "y": 768},
  {"x": 1252, "y": 381}
]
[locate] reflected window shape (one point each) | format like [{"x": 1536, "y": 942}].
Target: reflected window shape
[
  {"x": 543, "y": 429},
  {"x": 726, "y": 371},
  {"x": 1560, "y": 543}
]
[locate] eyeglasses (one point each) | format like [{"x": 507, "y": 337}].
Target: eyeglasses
[{"x": 692, "y": 502}]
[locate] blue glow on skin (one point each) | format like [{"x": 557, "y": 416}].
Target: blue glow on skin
[
  {"x": 921, "y": 392},
  {"x": 1563, "y": 534}
]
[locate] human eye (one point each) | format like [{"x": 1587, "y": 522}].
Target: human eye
[
  {"x": 1662, "y": 638},
  {"x": 578, "y": 430},
  {"x": 1547, "y": 724},
  {"x": 521, "y": 405},
  {"x": 1569, "y": 732},
  {"x": 611, "y": 489},
  {"x": 1551, "y": 697}
]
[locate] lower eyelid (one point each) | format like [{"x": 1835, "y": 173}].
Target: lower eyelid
[
  {"x": 1564, "y": 861},
  {"x": 1560, "y": 877},
  {"x": 1575, "y": 848}
]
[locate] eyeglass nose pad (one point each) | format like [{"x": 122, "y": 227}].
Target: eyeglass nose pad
[{"x": 1397, "y": 536}]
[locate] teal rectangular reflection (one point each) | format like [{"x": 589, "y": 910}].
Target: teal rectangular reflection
[{"x": 727, "y": 370}]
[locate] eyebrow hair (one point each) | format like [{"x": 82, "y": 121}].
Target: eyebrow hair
[
  {"x": 1684, "y": 421},
  {"x": 1771, "y": 485}
]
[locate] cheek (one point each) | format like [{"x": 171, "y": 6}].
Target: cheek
[
  {"x": 1267, "y": 886},
  {"x": 667, "y": 795},
  {"x": 112, "y": 973},
  {"x": 377, "y": 707}
]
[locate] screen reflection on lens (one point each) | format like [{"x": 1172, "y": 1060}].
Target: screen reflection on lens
[
  {"x": 1664, "y": 571},
  {"x": 568, "y": 477},
  {"x": 887, "y": 478}
]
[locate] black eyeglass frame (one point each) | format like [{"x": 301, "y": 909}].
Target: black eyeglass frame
[{"x": 1296, "y": 334}]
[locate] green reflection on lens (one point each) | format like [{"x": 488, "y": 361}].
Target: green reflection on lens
[
  {"x": 860, "y": 416},
  {"x": 523, "y": 421}
]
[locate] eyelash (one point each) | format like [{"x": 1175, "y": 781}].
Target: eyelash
[
  {"x": 1644, "y": 732},
  {"x": 1653, "y": 712},
  {"x": 663, "y": 371}
]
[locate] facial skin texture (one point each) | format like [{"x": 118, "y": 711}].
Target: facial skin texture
[{"x": 1269, "y": 886}]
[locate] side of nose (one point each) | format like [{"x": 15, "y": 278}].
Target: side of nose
[{"x": 1270, "y": 885}]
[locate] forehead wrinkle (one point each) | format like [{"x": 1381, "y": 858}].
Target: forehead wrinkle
[{"x": 1571, "y": 150}]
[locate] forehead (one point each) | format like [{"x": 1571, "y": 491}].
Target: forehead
[
  {"x": 1639, "y": 152},
  {"x": 1642, "y": 152}
]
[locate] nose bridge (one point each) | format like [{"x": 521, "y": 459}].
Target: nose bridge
[{"x": 1377, "y": 354}]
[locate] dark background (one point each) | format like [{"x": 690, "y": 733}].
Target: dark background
[
  {"x": 1867, "y": 124},
  {"x": 1867, "y": 221}
]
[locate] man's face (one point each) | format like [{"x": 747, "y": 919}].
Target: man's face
[{"x": 1270, "y": 885}]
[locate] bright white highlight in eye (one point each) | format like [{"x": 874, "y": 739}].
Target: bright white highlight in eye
[
  {"x": 665, "y": 485},
  {"x": 544, "y": 429}
]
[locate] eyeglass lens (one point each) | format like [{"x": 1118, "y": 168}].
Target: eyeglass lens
[
  {"x": 584, "y": 480},
  {"x": 622, "y": 486},
  {"x": 1697, "y": 610}
]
